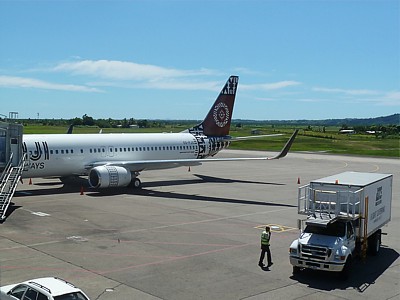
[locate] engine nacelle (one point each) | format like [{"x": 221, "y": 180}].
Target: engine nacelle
[{"x": 109, "y": 177}]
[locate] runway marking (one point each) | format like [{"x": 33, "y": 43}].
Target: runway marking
[
  {"x": 37, "y": 213},
  {"x": 203, "y": 221},
  {"x": 40, "y": 214},
  {"x": 276, "y": 228},
  {"x": 29, "y": 245}
]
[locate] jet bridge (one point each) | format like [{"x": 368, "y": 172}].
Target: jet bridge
[
  {"x": 12, "y": 161},
  {"x": 10, "y": 144}
]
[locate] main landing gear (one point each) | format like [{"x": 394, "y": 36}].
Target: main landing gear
[{"x": 136, "y": 183}]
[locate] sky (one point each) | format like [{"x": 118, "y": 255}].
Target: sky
[{"x": 169, "y": 59}]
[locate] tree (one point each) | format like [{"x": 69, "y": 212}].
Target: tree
[{"x": 88, "y": 121}]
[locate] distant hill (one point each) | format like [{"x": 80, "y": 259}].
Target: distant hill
[{"x": 387, "y": 120}]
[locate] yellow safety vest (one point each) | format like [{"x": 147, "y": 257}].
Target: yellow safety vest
[{"x": 265, "y": 236}]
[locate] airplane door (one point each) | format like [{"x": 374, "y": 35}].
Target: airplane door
[
  {"x": 110, "y": 151},
  {"x": 15, "y": 150},
  {"x": 2, "y": 149}
]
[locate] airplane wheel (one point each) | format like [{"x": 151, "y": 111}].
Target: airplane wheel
[{"x": 137, "y": 184}]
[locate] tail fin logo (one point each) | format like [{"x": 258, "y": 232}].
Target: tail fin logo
[{"x": 221, "y": 114}]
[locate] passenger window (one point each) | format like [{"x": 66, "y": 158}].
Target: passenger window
[
  {"x": 56, "y": 151},
  {"x": 30, "y": 294},
  {"x": 62, "y": 151},
  {"x": 349, "y": 230},
  {"x": 104, "y": 150},
  {"x": 66, "y": 151},
  {"x": 72, "y": 151},
  {"x": 94, "y": 150},
  {"x": 51, "y": 151},
  {"x": 81, "y": 150},
  {"x": 42, "y": 297},
  {"x": 18, "y": 291},
  {"x": 120, "y": 149}
]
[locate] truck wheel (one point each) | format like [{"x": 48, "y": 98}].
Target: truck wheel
[
  {"x": 374, "y": 243},
  {"x": 296, "y": 270},
  {"x": 344, "y": 275}
]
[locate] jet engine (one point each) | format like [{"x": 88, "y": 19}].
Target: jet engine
[{"x": 109, "y": 177}]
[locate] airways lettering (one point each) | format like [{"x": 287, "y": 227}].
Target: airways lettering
[{"x": 37, "y": 166}]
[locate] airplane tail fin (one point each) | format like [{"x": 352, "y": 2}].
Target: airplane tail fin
[{"x": 218, "y": 119}]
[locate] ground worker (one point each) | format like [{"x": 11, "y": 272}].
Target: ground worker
[{"x": 265, "y": 238}]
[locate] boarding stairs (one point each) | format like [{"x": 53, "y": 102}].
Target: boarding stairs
[
  {"x": 328, "y": 204},
  {"x": 8, "y": 183}
]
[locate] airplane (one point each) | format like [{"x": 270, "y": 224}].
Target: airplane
[{"x": 116, "y": 160}]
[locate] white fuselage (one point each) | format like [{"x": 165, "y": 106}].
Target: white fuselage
[{"x": 74, "y": 154}]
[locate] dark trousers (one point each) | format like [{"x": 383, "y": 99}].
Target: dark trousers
[{"x": 265, "y": 248}]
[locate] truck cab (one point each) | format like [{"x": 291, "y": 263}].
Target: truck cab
[{"x": 324, "y": 245}]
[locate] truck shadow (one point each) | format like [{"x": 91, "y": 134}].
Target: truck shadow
[{"x": 363, "y": 274}]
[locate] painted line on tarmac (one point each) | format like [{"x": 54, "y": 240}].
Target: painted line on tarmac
[
  {"x": 204, "y": 221},
  {"x": 276, "y": 228}
]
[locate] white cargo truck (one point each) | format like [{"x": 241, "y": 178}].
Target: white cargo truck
[{"x": 345, "y": 214}]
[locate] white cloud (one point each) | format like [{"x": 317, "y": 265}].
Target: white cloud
[
  {"x": 345, "y": 91},
  {"x": 23, "y": 82},
  {"x": 162, "y": 85},
  {"x": 269, "y": 86},
  {"x": 122, "y": 70}
]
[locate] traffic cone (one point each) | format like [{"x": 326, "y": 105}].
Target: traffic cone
[
  {"x": 298, "y": 180},
  {"x": 82, "y": 191},
  {"x": 30, "y": 181}
]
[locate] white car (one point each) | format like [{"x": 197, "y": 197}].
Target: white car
[{"x": 48, "y": 288}]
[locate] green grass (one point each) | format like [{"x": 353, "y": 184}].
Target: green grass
[{"x": 308, "y": 141}]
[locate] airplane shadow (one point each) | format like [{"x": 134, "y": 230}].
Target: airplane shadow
[
  {"x": 144, "y": 191},
  {"x": 362, "y": 276},
  {"x": 79, "y": 185},
  {"x": 172, "y": 195},
  {"x": 75, "y": 184},
  {"x": 11, "y": 208}
]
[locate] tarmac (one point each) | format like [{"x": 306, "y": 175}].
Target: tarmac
[{"x": 189, "y": 233}]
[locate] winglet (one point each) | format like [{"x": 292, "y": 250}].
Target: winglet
[
  {"x": 70, "y": 128},
  {"x": 286, "y": 149}
]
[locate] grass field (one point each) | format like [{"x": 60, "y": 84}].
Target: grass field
[{"x": 329, "y": 141}]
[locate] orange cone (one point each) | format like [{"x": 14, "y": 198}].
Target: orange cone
[
  {"x": 82, "y": 191},
  {"x": 30, "y": 181}
]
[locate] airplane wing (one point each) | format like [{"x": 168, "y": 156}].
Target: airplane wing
[
  {"x": 138, "y": 166},
  {"x": 242, "y": 138}
]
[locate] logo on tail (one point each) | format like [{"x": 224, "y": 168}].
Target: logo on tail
[{"x": 221, "y": 114}]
